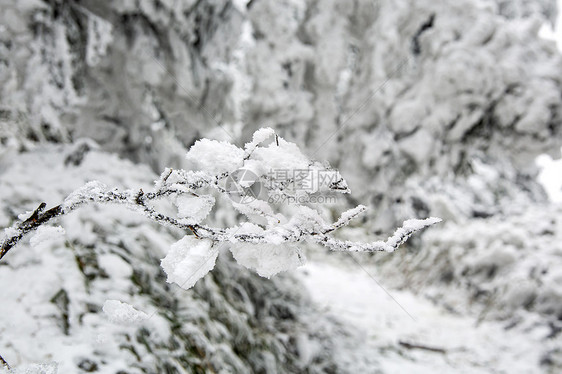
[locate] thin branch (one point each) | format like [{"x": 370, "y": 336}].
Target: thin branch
[
  {"x": 38, "y": 218},
  {"x": 4, "y": 363},
  {"x": 95, "y": 193},
  {"x": 179, "y": 182},
  {"x": 139, "y": 200},
  {"x": 346, "y": 217},
  {"x": 390, "y": 245},
  {"x": 421, "y": 346}
]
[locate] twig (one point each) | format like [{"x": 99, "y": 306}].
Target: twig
[
  {"x": 4, "y": 363},
  {"x": 179, "y": 182},
  {"x": 96, "y": 193},
  {"x": 421, "y": 346},
  {"x": 38, "y": 218}
]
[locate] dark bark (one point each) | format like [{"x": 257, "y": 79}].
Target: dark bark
[
  {"x": 38, "y": 218},
  {"x": 421, "y": 346},
  {"x": 4, "y": 363}
]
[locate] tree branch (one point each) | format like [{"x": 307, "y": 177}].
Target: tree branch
[
  {"x": 301, "y": 227},
  {"x": 37, "y": 218},
  {"x": 420, "y": 346},
  {"x": 138, "y": 201},
  {"x": 4, "y": 363}
]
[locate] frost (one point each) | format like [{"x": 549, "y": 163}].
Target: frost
[
  {"x": 408, "y": 227},
  {"x": 255, "y": 167},
  {"x": 11, "y": 231},
  {"x": 46, "y": 235},
  {"x": 390, "y": 245},
  {"x": 245, "y": 228},
  {"x": 194, "y": 209},
  {"x": 285, "y": 156},
  {"x": 189, "y": 260},
  {"x": 268, "y": 259},
  {"x": 348, "y": 215},
  {"x": 214, "y": 156},
  {"x": 305, "y": 219},
  {"x": 25, "y": 216},
  {"x": 120, "y": 312},
  {"x": 44, "y": 368},
  {"x": 258, "y": 208},
  {"x": 418, "y": 224},
  {"x": 90, "y": 191},
  {"x": 259, "y": 136}
]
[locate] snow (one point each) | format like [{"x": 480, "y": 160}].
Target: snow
[
  {"x": 408, "y": 226},
  {"x": 24, "y": 216},
  {"x": 268, "y": 259},
  {"x": 259, "y": 137},
  {"x": 115, "y": 265},
  {"x": 215, "y": 156},
  {"x": 11, "y": 231},
  {"x": 194, "y": 209},
  {"x": 99, "y": 38},
  {"x": 91, "y": 191},
  {"x": 285, "y": 156},
  {"x": 247, "y": 228},
  {"x": 348, "y": 215},
  {"x": 43, "y": 368},
  {"x": 376, "y": 323},
  {"x": 305, "y": 219},
  {"x": 258, "y": 211},
  {"x": 418, "y": 224},
  {"x": 550, "y": 176},
  {"x": 255, "y": 169},
  {"x": 189, "y": 260},
  {"x": 120, "y": 312},
  {"x": 47, "y": 236}
]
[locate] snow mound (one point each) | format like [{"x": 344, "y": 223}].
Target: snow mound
[{"x": 214, "y": 156}]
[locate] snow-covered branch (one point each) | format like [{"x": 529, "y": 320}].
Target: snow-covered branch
[
  {"x": 249, "y": 178},
  {"x": 399, "y": 237},
  {"x": 4, "y": 363}
]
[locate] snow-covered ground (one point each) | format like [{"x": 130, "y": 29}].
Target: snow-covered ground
[{"x": 439, "y": 340}]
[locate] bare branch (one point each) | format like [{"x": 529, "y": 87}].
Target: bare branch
[
  {"x": 4, "y": 363},
  {"x": 420, "y": 346}
]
